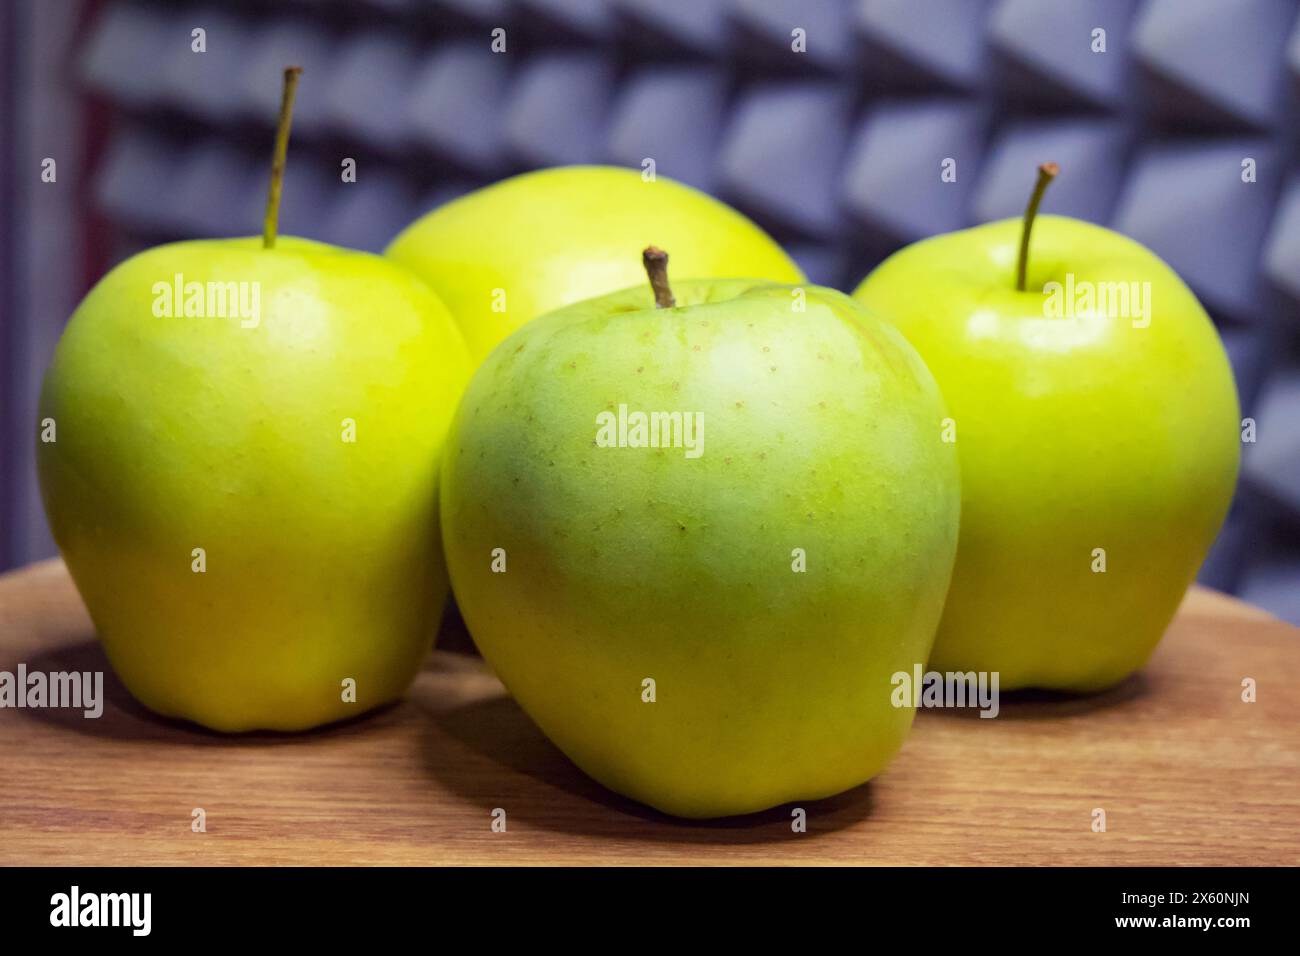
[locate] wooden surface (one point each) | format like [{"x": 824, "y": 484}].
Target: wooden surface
[{"x": 1186, "y": 772}]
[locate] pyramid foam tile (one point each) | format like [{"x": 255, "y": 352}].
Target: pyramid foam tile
[
  {"x": 124, "y": 37},
  {"x": 670, "y": 114},
  {"x": 823, "y": 264},
  {"x": 123, "y": 246},
  {"x": 1293, "y": 54},
  {"x": 909, "y": 45},
  {"x": 135, "y": 185},
  {"x": 390, "y": 8},
  {"x": 437, "y": 197},
  {"x": 368, "y": 213},
  {"x": 1190, "y": 236},
  {"x": 1212, "y": 62},
  {"x": 220, "y": 182},
  {"x": 1282, "y": 251},
  {"x": 1049, "y": 52},
  {"x": 1272, "y": 463},
  {"x": 197, "y": 83},
  {"x": 1270, "y": 582},
  {"x": 558, "y": 110},
  {"x": 367, "y": 92},
  {"x": 1222, "y": 566},
  {"x": 781, "y": 155},
  {"x": 1089, "y": 150},
  {"x": 456, "y": 104},
  {"x": 490, "y": 13},
  {"x": 274, "y": 46},
  {"x": 592, "y": 20},
  {"x": 894, "y": 184},
  {"x": 695, "y": 26},
  {"x": 766, "y": 33},
  {"x": 1251, "y": 350}
]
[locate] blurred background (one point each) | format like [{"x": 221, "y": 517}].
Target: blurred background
[{"x": 836, "y": 150}]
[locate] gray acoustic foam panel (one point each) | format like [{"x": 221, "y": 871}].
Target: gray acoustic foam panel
[{"x": 824, "y": 120}]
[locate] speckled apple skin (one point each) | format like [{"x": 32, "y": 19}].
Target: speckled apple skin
[
  {"x": 822, "y": 432},
  {"x": 1074, "y": 435}
]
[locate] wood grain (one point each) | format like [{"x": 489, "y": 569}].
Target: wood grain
[{"x": 1186, "y": 772}]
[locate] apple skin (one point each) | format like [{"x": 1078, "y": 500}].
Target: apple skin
[
  {"x": 556, "y": 236},
  {"x": 179, "y": 433},
  {"x": 821, "y": 432},
  {"x": 1073, "y": 434}
]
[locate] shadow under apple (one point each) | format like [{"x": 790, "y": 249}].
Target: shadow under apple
[
  {"x": 1036, "y": 704},
  {"x": 125, "y": 718},
  {"x": 542, "y": 787}
]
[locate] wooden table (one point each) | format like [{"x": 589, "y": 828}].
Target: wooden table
[{"x": 1186, "y": 771}]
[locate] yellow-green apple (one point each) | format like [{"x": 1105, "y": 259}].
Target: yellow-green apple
[
  {"x": 239, "y": 451},
  {"x": 505, "y": 254},
  {"x": 697, "y": 541},
  {"x": 1097, "y": 425}
]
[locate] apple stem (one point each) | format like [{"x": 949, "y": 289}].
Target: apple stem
[
  {"x": 655, "y": 261},
  {"x": 1046, "y": 173},
  {"x": 272, "y": 220}
]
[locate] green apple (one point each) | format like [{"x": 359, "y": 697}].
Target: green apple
[
  {"x": 1097, "y": 426},
  {"x": 696, "y": 542},
  {"x": 505, "y": 254},
  {"x": 238, "y": 455}
]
